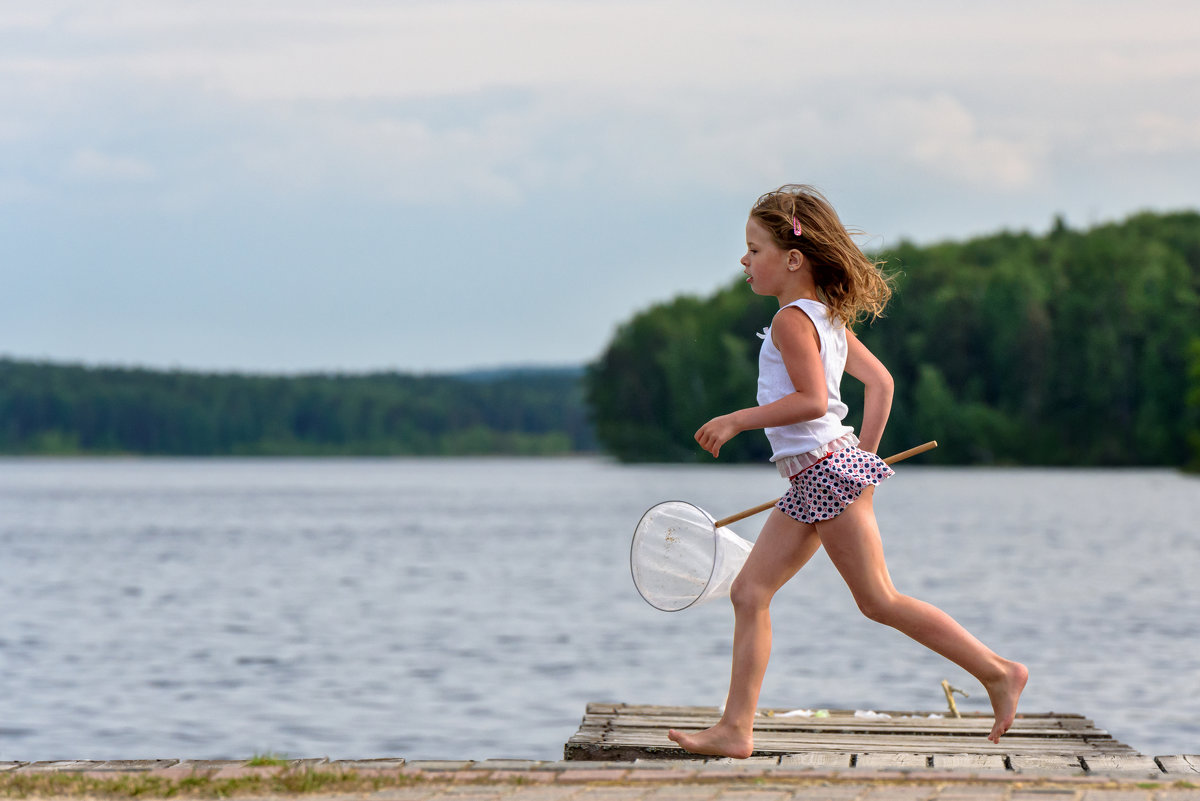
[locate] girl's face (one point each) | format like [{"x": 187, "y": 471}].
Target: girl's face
[{"x": 766, "y": 264}]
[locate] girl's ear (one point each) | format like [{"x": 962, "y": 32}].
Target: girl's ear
[{"x": 795, "y": 260}]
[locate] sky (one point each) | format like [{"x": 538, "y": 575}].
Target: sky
[{"x": 300, "y": 186}]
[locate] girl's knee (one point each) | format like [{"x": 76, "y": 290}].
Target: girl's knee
[
  {"x": 879, "y": 606},
  {"x": 747, "y": 595}
]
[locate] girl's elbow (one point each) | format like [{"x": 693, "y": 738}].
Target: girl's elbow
[
  {"x": 882, "y": 382},
  {"x": 802, "y": 408}
]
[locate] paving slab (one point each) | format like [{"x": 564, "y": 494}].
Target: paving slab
[
  {"x": 1181, "y": 763},
  {"x": 889, "y": 761},
  {"x": 603, "y": 775},
  {"x": 1107, "y": 763},
  {"x": 95, "y": 765},
  {"x": 241, "y": 770},
  {"x": 794, "y": 777},
  {"x": 969, "y": 762},
  {"x": 435, "y": 765},
  {"x": 382, "y": 765},
  {"x": 817, "y": 759},
  {"x": 1047, "y": 763}
]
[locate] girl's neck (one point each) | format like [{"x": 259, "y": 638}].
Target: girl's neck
[
  {"x": 798, "y": 283},
  {"x": 800, "y": 291},
  {"x": 791, "y": 297}
]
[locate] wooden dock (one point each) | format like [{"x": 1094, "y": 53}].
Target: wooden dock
[{"x": 883, "y": 739}]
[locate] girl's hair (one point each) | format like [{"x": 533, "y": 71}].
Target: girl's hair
[{"x": 848, "y": 281}]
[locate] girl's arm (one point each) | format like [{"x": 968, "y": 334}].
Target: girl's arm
[
  {"x": 796, "y": 337},
  {"x": 877, "y": 399}
]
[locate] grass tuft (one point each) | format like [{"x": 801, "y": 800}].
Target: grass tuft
[{"x": 267, "y": 760}]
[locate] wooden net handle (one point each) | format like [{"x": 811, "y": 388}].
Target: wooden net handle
[{"x": 762, "y": 507}]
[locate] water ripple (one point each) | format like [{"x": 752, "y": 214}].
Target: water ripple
[{"x": 361, "y": 608}]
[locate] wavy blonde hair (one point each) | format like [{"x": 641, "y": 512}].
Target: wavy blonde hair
[{"x": 853, "y": 285}]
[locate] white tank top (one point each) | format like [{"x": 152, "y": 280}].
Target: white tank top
[{"x": 774, "y": 383}]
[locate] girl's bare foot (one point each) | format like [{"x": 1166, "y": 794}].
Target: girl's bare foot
[
  {"x": 720, "y": 740},
  {"x": 1004, "y": 694}
]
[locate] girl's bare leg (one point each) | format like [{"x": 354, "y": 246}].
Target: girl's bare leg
[
  {"x": 783, "y": 547},
  {"x": 853, "y": 544}
]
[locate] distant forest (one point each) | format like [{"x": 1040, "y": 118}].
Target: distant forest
[
  {"x": 68, "y": 409},
  {"x": 1073, "y": 348}
]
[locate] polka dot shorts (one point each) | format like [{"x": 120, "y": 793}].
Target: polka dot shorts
[{"x": 824, "y": 490}]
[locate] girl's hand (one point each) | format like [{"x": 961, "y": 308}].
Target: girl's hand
[{"x": 717, "y": 431}]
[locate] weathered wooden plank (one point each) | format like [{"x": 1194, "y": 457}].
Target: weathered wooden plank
[
  {"x": 619, "y": 733},
  {"x": 1050, "y": 727},
  {"x": 984, "y": 762},
  {"x": 712, "y": 711},
  {"x": 1180, "y": 763},
  {"x": 600, "y": 708},
  {"x": 817, "y": 759},
  {"x": 888, "y": 761},
  {"x": 639, "y": 730},
  {"x": 853, "y": 742},
  {"x": 615, "y": 752},
  {"x": 1041, "y": 763},
  {"x": 1112, "y": 747},
  {"x": 709, "y": 711},
  {"x": 1099, "y": 744},
  {"x": 865, "y": 725},
  {"x": 1044, "y": 727},
  {"x": 860, "y": 743}
]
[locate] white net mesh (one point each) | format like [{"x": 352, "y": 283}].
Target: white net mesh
[{"x": 679, "y": 559}]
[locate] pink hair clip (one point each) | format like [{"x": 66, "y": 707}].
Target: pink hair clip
[{"x": 796, "y": 229}]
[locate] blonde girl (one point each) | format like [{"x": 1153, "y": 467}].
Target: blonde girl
[{"x": 798, "y": 251}]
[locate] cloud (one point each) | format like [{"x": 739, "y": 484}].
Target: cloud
[
  {"x": 92, "y": 165},
  {"x": 308, "y": 139},
  {"x": 19, "y": 191},
  {"x": 419, "y": 101},
  {"x": 940, "y": 134},
  {"x": 1164, "y": 133},
  {"x": 309, "y": 50},
  {"x": 397, "y": 157}
]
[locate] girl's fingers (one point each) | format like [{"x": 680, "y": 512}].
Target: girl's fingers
[{"x": 710, "y": 439}]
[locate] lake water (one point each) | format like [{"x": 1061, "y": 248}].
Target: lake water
[{"x": 471, "y": 609}]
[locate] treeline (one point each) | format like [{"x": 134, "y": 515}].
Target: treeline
[
  {"x": 1072, "y": 348},
  {"x": 67, "y": 409}
]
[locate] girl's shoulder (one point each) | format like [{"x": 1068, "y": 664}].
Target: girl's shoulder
[{"x": 815, "y": 309}]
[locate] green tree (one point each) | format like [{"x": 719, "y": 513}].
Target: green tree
[
  {"x": 50, "y": 408},
  {"x": 1063, "y": 349},
  {"x": 1193, "y": 429}
]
